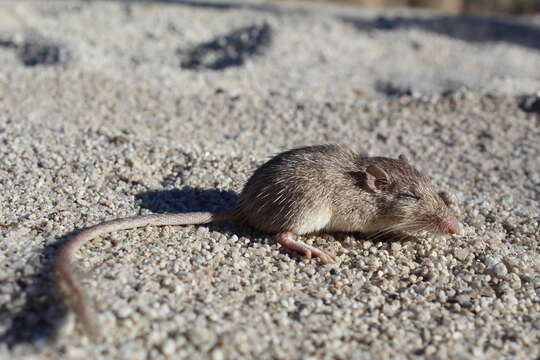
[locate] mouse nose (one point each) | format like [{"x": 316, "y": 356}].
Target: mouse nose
[{"x": 449, "y": 224}]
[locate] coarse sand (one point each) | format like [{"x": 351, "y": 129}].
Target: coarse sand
[{"x": 112, "y": 109}]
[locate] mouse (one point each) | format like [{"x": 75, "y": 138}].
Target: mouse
[{"x": 312, "y": 189}]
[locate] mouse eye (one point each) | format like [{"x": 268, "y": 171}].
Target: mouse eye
[{"x": 408, "y": 196}]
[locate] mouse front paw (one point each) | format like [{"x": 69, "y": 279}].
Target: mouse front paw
[{"x": 286, "y": 240}]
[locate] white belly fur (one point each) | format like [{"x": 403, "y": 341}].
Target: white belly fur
[
  {"x": 337, "y": 224},
  {"x": 315, "y": 221}
]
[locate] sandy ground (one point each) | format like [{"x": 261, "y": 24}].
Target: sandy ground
[{"x": 112, "y": 109}]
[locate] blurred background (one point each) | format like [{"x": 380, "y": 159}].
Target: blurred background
[{"x": 515, "y": 7}]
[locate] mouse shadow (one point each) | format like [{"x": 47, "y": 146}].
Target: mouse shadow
[
  {"x": 191, "y": 199},
  {"x": 43, "y": 311}
]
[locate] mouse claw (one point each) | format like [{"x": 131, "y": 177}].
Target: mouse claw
[
  {"x": 286, "y": 240},
  {"x": 333, "y": 258},
  {"x": 327, "y": 258}
]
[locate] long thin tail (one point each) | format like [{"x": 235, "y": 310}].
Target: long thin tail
[{"x": 64, "y": 269}]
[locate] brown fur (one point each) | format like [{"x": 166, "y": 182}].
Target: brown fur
[{"x": 282, "y": 194}]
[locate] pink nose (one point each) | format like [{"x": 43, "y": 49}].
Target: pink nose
[{"x": 449, "y": 224}]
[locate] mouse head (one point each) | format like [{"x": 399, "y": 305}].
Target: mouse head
[{"x": 406, "y": 198}]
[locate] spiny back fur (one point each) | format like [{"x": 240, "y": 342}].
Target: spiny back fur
[{"x": 279, "y": 195}]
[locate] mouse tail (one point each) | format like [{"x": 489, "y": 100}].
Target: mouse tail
[{"x": 64, "y": 269}]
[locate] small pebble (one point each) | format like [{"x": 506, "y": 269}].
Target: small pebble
[
  {"x": 200, "y": 337},
  {"x": 499, "y": 270},
  {"x": 168, "y": 347},
  {"x": 461, "y": 254}
]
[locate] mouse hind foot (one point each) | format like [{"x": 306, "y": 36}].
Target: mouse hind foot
[{"x": 286, "y": 239}]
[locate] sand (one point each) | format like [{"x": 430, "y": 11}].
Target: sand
[{"x": 113, "y": 109}]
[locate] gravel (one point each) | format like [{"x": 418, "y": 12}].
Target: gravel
[{"x": 113, "y": 109}]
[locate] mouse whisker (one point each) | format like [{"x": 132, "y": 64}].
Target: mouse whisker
[{"x": 383, "y": 232}]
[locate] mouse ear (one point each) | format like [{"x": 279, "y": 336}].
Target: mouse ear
[
  {"x": 403, "y": 159},
  {"x": 376, "y": 178}
]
